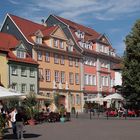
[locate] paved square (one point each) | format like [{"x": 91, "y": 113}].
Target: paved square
[{"x": 84, "y": 129}]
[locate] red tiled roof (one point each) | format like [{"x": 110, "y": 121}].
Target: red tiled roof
[
  {"x": 48, "y": 30},
  {"x": 76, "y": 26},
  {"x": 28, "y": 59},
  {"x": 90, "y": 34},
  {"x": 8, "y": 41},
  {"x": 26, "y": 26}
]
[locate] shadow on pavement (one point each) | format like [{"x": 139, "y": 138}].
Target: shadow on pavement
[{"x": 11, "y": 136}]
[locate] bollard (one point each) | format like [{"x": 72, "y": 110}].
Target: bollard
[
  {"x": 107, "y": 115},
  {"x": 77, "y": 114},
  {"x": 90, "y": 115}
]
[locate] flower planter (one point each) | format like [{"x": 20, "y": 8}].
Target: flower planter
[
  {"x": 31, "y": 122},
  {"x": 62, "y": 119}
]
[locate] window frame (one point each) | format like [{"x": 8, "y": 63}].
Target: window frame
[
  {"x": 56, "y": 76},
  {"x": 23, "y": 84},
  {"x": 25, "y": 70},
  {"x": 15, "y": 69},
  {"x": 48, "y": 75},
  {"x": 56, "y": 59},
  {"x": 39, "y": 55},
  {"x": 71, "y": 78},
  {"x": 47, "y": 57}
]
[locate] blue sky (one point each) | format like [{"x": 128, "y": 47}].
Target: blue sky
[{"x": 115, "y": 18}]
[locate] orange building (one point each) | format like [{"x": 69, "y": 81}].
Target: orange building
[{"x": 59, "y": 66}]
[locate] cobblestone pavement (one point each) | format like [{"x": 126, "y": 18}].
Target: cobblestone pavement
[{"x": 82, "y": 128}]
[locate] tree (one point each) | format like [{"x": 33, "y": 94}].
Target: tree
[{"x": 131, "y": 65}]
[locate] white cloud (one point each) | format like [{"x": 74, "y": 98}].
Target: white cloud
[
  {"x": 101, "y": 9},
  {"x": 15, "y": 2},
  {"x": 73, "y": 9}
]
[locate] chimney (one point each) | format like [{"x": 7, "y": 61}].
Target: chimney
[{"x": 43, "y": 22}]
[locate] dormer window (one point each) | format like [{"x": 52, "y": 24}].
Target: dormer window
[
  {"x": 38, "y": 40},
  {"x": 80, "y": 34},
  {"x": 61, "y": 44},
  {"x": 21, "y": 54},
  {"x": 55, "y": 43},
  {"x": 70, "y": 48}
]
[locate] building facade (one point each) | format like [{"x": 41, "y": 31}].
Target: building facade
[
  {"x": 98, "y": 56},
  {"x": 59, "y": 62},
  {"x": 19, "y": 70}
]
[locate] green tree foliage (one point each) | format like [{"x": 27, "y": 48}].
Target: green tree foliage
[{"x": 131, "y": 62}]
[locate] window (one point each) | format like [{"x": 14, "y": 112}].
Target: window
[
  {"x": 23, "y": 88},
  {"x": 76, "y": 62},
  {"x": 7, "y": 27},
  {"x": 21, "y": 53},
  {"x": 77, "y": 78},
  {"x": 93, "y": 80},
  {"x": 38, "y": 40},
  {"x": 39, "y": 55},
  {"x": 106, "y": 81},
  {"x": 62, "y": 77},
  {"x": 56, "y": 60},
  {"x": 14, "y": 70},
  {"x": 23, "y": 71},
  {"x": 72, "y": 100},
  {"x": 70, "y": 48},
  {"x": 90, "y": 79},
  {"x": 32, "y": 87},
  {"x": 32, "y": 72},
  {"x": 14, "y": 86},
  {"x": 47, "y": 57},
  {"x": 56, "y": 43},
  {"x": 62, "y": 61},
  {"x": 71, "y": 78},
  {"x": 78, "y": 100},
  {"x": 48, "y": 75},
  {"x": 86, "y": 79},
  {"x": 56, "y": 76},
  {"x": 40, "y": 74},
  {"x": 61, "y": 44},
  {"x": 70, "y": 61}
]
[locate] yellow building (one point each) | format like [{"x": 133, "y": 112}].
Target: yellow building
[
  {"x": 3, "y": 68},
  {"x": 59, "y": 67}
]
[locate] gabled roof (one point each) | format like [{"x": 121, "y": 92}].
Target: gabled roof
[
  {"x": 90, "y": 34},
  {"x": 49, "y": 30},
  {"x": 76, "y": 26},
  {"x": 8, "y": 43},
  {"x": 27, "y": 27}
]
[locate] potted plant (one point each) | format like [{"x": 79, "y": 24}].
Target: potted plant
[
  {"x": 62, "y": 112},
  {"x": 30, "y": 103},
  {"x": 2, "y": 124}
]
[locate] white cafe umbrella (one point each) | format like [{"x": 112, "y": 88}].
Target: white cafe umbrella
[
  {"x": 6, "y": 93},
  {"x": 114, "y": 96},
  {"x": 98, "y": 99}
]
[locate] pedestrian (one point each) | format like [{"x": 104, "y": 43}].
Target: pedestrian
[
  {"x": 13, "y": 119},
  {"x": 19, "y": 124}
]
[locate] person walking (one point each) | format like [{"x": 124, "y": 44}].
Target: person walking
[
  {"x": 19, "y": 124},
  {"x": 13, "y": 120}
]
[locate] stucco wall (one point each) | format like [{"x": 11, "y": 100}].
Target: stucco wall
[{"x": 4, "y": 70}]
